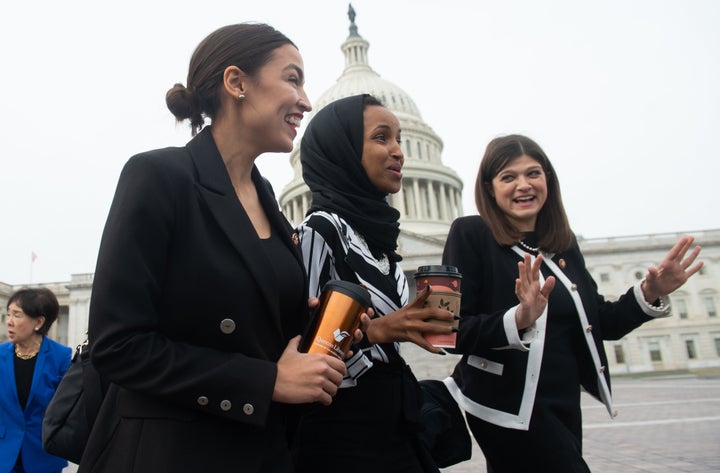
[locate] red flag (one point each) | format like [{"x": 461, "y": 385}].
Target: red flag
[{"x": 33, "y": 256}]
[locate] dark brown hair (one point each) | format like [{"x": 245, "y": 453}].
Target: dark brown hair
[
  {"x": 36, "y": 303},
  {"x": 248, "y": 46},
  {"x": 552, "y": 227}
]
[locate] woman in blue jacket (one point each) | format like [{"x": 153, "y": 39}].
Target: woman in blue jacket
[{"x": 31, "y": 367}]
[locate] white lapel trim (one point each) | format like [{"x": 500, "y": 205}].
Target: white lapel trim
[
  {"x": 521, "y": 420},
  {"x": 603, "y": 387}
]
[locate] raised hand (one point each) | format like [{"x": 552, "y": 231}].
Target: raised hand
[
  {"x": 410, "y": 322},
  {"x": 304, "y": 378},
  {"x": 672, "y": 272},
  {"x": 532, "y": 297}
]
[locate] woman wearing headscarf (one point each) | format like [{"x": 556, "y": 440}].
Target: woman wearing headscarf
[{"x": 352, "y": 159}]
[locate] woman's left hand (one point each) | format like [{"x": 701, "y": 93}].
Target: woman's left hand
[{"x": 673, "y": 272}]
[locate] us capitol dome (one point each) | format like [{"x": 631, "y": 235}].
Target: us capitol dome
[{"x": 431, "y": 194}]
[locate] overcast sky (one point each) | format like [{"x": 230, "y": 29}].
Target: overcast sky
[{"x": 623, "y": 95}]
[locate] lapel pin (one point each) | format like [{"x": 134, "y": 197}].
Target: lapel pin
[
  {"x": 295, "y": 239},
  {"x": 562, "y": 263}
]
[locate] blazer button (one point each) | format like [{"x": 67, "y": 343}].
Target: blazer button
[
  {"x": 588, "y": 329},
  {"x": 483, "y": 364},
  {"x": 225, "y": 405},
  {"x": 227, "y": 326},
  {"x": 248, "y": 409},
  {"x": 602, "y": 369},
  {"x": 202, "y": 400},
  {"x": 573, "y": 287}
]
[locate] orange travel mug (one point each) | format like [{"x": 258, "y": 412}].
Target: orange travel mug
[{"x": 335, "y": 319}]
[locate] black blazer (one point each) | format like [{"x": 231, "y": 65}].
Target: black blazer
[
  {"x": 494, "y": 379},
  {"x": 185, "y": 320}
]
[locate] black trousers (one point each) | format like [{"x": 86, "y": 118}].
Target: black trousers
[
  {"x": 364, "y": 430},
  {"x": 551, "y": 444}
]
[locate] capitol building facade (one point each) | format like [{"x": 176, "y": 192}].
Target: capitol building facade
[{"x": 431, "y": 198}]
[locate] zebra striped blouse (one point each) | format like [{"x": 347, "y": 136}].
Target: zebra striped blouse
[{"x": 332, "y": 250}]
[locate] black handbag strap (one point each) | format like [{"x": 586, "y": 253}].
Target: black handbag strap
[{"x": 93, "y": 386}]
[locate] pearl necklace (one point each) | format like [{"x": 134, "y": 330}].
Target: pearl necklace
[
  {"x": 529, "y": 248},
  {"x": 383, "y": 264}
]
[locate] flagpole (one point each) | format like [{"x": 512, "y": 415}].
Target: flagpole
[{"x": 33, "y": 257}]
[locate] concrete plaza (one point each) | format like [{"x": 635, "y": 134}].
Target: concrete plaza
[{"x": 665, "y": 424}]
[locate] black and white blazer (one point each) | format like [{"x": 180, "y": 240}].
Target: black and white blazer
[
  {"x": 496, "y": 379},
  {"x": 333, "y": 250}
]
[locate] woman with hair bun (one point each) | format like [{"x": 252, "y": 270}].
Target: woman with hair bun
[{"x": 200, "y": 295}]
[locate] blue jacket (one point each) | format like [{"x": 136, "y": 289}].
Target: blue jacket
[{"x": 22, "y": 429}]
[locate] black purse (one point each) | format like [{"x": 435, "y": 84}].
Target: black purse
[
  {"x": 446, "y": 435},
  {"x": 71, "y": 413}
]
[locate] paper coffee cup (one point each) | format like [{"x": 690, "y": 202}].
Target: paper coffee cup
[
  {"x": 445, "y": 283},
  {"x": 335, "y": 319}
]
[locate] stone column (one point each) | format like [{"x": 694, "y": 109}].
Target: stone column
[
  {"x": 432, "y": 199},
  {"x": 418, "y": 199},
  {"x": 80, "y": 288},
  {"x": 295, "y": 212},
  {"x": 399, "y": 202},
  {"x": 443, "y": 202}
]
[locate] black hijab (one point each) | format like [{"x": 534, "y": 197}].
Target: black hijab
[{"x": 331, "y": 154}]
